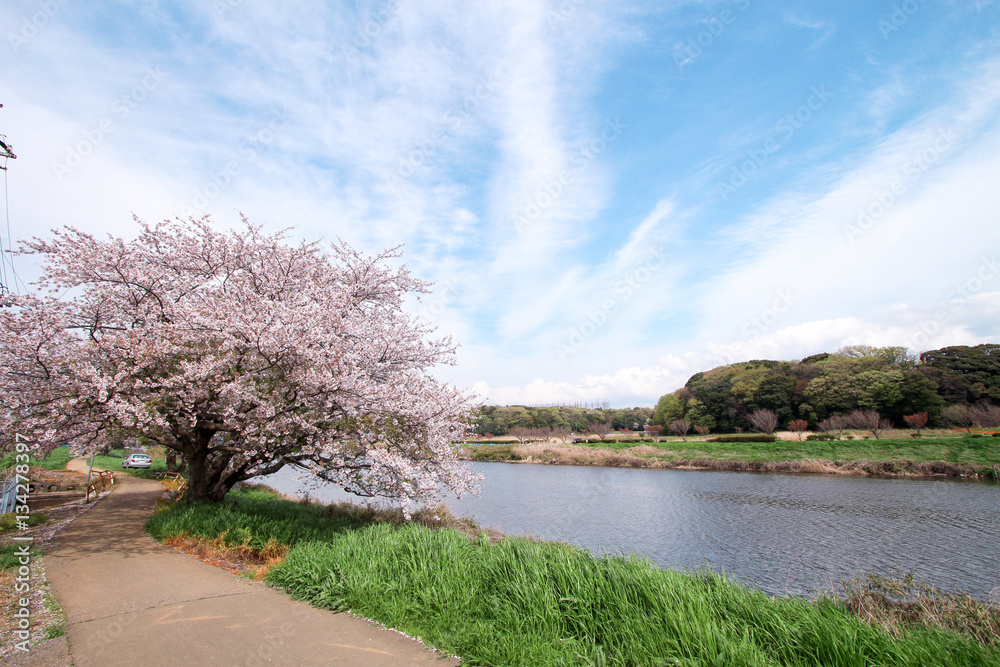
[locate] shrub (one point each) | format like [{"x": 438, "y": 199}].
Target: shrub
[
  {"x": 820, "y": 436},
  {"x": 761, "y": 437},
  {"x": 916, "y": 435}
]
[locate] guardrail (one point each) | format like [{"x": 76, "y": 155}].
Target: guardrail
[
  {"x": 8, "y": 495},
  {"x": 174, "y": 476},
  {"x": 104, "y": 480},
  {"x": 165, "y": 475}
]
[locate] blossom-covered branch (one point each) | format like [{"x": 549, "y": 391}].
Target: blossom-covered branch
[{"x": 237, "y": 350}]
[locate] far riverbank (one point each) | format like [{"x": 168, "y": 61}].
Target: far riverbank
[{"x": 969, "y": 457}]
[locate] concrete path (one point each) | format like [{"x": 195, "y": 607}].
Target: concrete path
[{"x": 132, "y": 601}]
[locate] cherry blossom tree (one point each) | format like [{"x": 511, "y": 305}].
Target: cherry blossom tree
[{"x": 239, "y": 351}]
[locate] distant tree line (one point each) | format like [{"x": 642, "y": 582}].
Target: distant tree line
[
  {"x": 955, "y": 386},
  {"x": 516, "y": 420}
]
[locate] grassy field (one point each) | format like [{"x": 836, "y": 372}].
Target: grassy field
[
  {"x": 54, "y": 461},
  {"x": 514, "y": 601},
  {"x": 60, "y": 456},
  {"x": 964, "y": 455},
  {"x": 114, "y": 462}
]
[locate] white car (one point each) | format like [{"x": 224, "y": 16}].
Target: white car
[{"x": 136, "y": 461}]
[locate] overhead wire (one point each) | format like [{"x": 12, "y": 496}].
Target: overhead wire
[
  {"x": 4, "y": 281},
  {"x": 7, "y": 257}
]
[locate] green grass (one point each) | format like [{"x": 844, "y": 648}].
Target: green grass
[
  {"x": 978, "y": 451},
  {"x": 250, "y": 517},
  {"x": 56, "y": 460},
  {"x": 8, "y": 522},
  {"x": 55, "y": 631},
  {"x": 8, "y": 559},
  {"x": 520, "y": 602},
  {"x": 114, "y": 462},
  {"x": 60, "y": 456}
]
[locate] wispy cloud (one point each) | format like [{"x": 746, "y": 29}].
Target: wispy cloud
[{"x": 548, "y": 165}]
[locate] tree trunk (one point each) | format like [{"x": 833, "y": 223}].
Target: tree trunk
[
  {"x": 207, "y": 481},
  {"x": 176, "y": 462},
  {"x": 197, "y": 477}
]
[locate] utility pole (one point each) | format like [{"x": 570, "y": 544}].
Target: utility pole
[{"x": 6, "y": 152}]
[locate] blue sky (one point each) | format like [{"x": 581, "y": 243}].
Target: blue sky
[{"x": 609, "y": 196}]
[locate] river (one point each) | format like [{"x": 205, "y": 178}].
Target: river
[{"x": 784, "y": 534}]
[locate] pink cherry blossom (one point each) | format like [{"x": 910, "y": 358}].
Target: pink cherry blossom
[{"x": 238, "y": 350}]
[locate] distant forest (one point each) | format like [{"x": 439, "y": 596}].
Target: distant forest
[
  {"x": 888, "y": 380},
  {"x": 859, "y": 377}
]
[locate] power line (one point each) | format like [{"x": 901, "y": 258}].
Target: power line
[{"x": 7, "y": 256}]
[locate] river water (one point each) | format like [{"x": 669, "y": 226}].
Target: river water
[{"x": 785, "y": 534}]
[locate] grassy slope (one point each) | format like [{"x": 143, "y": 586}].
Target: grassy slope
[
  {"x": 982, "y": 451},
  {"x": 978, "y": 451},
  {"x": 518, "y": 602}
]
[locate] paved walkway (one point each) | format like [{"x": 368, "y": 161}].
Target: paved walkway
[{"x": 132, "y": 601}]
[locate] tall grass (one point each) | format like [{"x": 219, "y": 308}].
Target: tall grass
[
  {"x": 254, "y": 517},
  {"x": 520, "y": 602}
]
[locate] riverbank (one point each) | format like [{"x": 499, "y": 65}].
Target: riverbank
[
  {"x": 965, "y": 457},
  {"x": 496, "y": 600}
]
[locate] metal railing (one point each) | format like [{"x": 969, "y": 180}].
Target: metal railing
[
  {"x": 104, "y": 480},
  {"x": 8, "y": 495}
]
